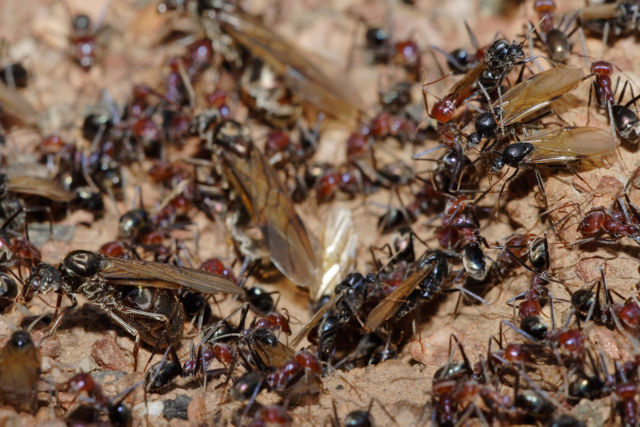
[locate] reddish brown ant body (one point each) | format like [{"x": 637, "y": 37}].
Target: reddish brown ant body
[{"x": 500, "y": 58}]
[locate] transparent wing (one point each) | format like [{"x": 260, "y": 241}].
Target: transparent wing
[
  {"x": 568, "y": 144},
  {"x": 469, "y": 79},
  {"x": 302, "y": 333},
  {"x": 532, "y": 95}
]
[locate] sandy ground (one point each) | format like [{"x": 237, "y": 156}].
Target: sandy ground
[{"x": 130, "y": 52}]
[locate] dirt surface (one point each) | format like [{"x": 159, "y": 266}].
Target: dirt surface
[{"x": 130, "y": 51}]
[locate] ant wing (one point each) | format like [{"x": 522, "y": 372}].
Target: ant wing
[
  {"x": 271, "y": 208},
  {"x": 569, "y": 144},
  {"x": 469, "y": 78},
  {"x": 599, "y": 11},
  {"x": 159, "y": 275},
  {"x": 303, "y": 76},
  {"x": 273, "y": 356},
  {"x": 388, "y": 306},
  {"x": 533, "y": 95},
  {"x": 39, "y": 187},
  {"x": 302, "y": 333},
  {"x": 15, "y": 105}
]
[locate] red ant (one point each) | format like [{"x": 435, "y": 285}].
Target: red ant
[
  {"x": 270, "y": 415},
  {"x": 566, "y": 344},
  {"x": 460, "y": 61},
  {"x": 500, "y": 58},
  {"x": 83, "y": 42},
  {"x": 617, "y": 223},
  {"x": 119, "y": 414},
  {"x": 624, "y": 120},
  {"x": 299, "y": 364},
  {"x": 405, "y": 53},
  {"x": 460, "y": 229}
]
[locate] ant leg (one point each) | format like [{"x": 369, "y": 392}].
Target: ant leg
[
  {"x": 57, "y": 318},
  {"x": 450, "y": 58},
  {"x": 591, "y": 89},
  {"x": 605, "y": 36},
  {"x": 147, "y": 315},
  {"x": 131, "y": 330},
  {"x": 466, "y": 360},
  {"x": 472, "y": 36}
]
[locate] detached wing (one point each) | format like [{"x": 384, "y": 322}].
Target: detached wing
[{"x": 15, "y": 105}]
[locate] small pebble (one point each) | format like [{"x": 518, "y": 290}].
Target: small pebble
[
  {"x": 176, "y": 408},
  {"x": 108, "y": 354}
]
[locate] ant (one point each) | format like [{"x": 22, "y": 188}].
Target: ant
[
  {"x": 616, "y": 222},
  {"x": 8, "y": 291},
  {"x": 83, "y": 38},
  {"x": 518, "y": 246},
  {"x": 619, "y": 19},
  {"x": 332, "y": 318},
  {"x": 460, "y": 61},
  {"x": 405, "y": 53},
  {"x": 624, "y": 120},
  {"x": 160, "y": 377},
  {"x": 626, "y": 401},
  {"x": 119, "y": 414},
  {"x": 460, "y": 229},
  {"x": 566, "y": 344},
  {"x": 554, "y": 39},
  {"x": 14, "y": 75},
  {"x": 270, "y": 415},
  {"x": 500, "y": 59}
]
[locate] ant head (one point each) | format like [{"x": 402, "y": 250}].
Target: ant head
[
  {"x": 503, "y": 51},
  {"x": 498, "y": 164},
  {"x": 602, "y": 68},
  {"x": 81, "y": 23},
  {"x": 544, "y": 6},
  {"x": 44, "y": 278}
]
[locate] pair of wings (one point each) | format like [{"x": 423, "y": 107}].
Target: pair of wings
[
  {"x": 380, "y": 313},
  {"x": 536, "y": 93},
  {"x": 158, "y": 275},
  {"x": 271, "y": 208},
  {"x": 570, "y": 144}
]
